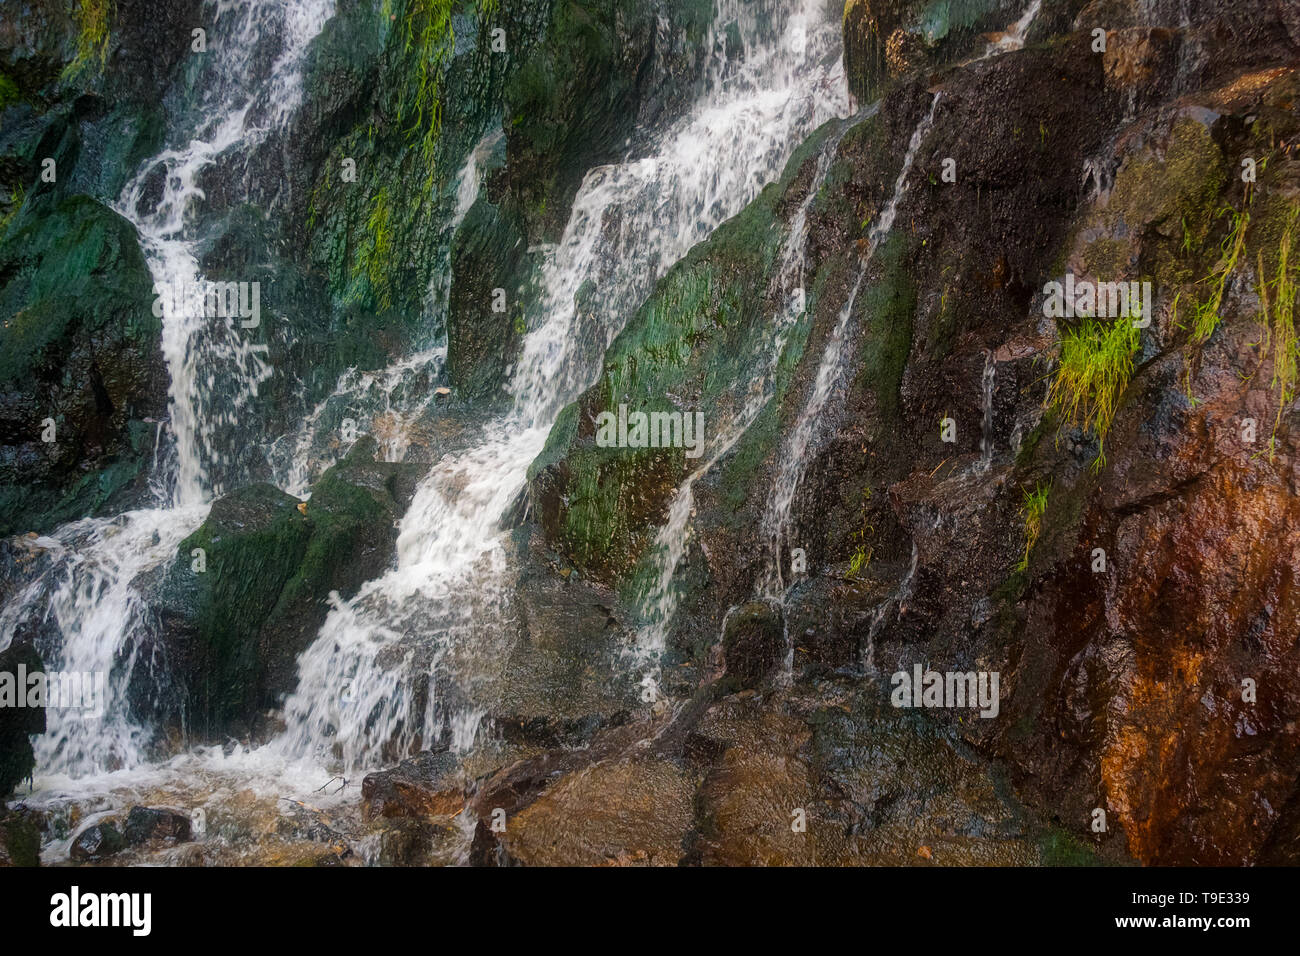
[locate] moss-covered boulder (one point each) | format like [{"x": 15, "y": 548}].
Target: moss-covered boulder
[
  {"x": 80, "y": 367},
  {"x": 709, "y": 335},
  {"x": 601, "y": 66},
  {"x": 250, "y": 587}
]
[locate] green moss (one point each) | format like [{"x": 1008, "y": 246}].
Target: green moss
[
  {"x": 66, "y": 263},
  {"x": 342, "y": 516},
  {"x": 375, "y": 256},
  {"x": 9, "y": 92},
  {"x": 1181, "y": 185},
  {"x": 1278, "y": 300},
  {"x": 561, "y": 436},
  {"x": 888, "y": 305},
  {"x": 93, "y": 17},
  {"x": 249, "y": 561},
  {"x": 427, "y": 40},
  {"x": 17, "y": 196}
]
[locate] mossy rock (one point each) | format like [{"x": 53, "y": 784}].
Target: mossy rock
[
  {"x": 271, "y": 561},
  {"x": 695, "y": 345},
  {"x": 79, "y": 345},
  {"x": 483, "y": 327}
]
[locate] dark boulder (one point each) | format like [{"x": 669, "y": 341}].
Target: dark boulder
[
  {"x": 753, "y": 644},
  {"x": 427, "y": 784},
  {"x": 81, "y": 365},
  {"x": 20, "y": 837},
  {"x": 270, "y": 562},
  {"x": 147, "y": 823},
  {"x": 18, "y": 724},
  {"x": 97, "y": 842}
]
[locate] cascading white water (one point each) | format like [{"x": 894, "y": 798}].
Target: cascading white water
[
  {"x": 447, "y": 602},
  {"x": 215, "y": 364},
  {"x": 778, "y": 515},
  {"x": 1014, "y": 37},
  {"x": 660, "y": 604},
  {"x": 390, "y": 404},
  {"x": 84, "y": 602}
]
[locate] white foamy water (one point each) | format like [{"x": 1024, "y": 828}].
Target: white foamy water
[
  {"x": 659, "y": 604},
  {"x": 215, "y": 364},
  {"x": 442, "y": 615},
  {"x": 1014, "y": 38}
]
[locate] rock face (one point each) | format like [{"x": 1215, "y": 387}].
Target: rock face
[
  {"x": 20, "y": 838},
  {"x": 1100, "y": 514},
  {"x": 753, "y": 644},
  {"x": 81, "y": 369},
  {"x": 888, "y": 39},
  {"x": 1107, "y": 531}
]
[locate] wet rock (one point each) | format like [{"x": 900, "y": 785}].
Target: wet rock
[
  {"x": 407, "y": 842},
  {"x": 700, "y": 333},
  {"x": 483, "y": 325},
  {"x": 601, "y": 67},
  {"x": 753, "y": 644},
  {"x": 631, "y": 812},
  {"x": 20, "y": 838},
  {"x": 81, "y": 364},
  {"x": 17, "y": 724},
  {"x": 147, "y": 823},
  {"x": 97, "y": 842},
  {"x": 560, "y": 681},
  {"x": 426, "y": 785}
]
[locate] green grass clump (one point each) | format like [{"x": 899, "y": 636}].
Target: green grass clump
[
  {"x": 1205, "y": 317},
  {"x": 1094, "y": 369},
  {"x": 861, "y": 558},
  {"x": 92, "y": 18},
  {"x": 1032, "y": 510}
]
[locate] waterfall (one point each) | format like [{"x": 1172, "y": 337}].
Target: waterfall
[
  {"x": 986, "y": 422},
  {"x": 83, "y": 605},
  {"x": 659, "y": 606},
  {"x": 778, "y": 516},
  {"x": 659, "y": 603},
  {"x": 439, "y": 621},
  {"x": 215, "y": 365}
]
